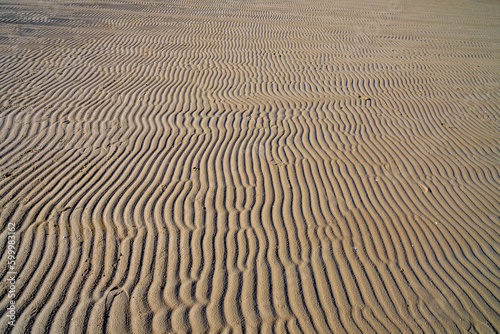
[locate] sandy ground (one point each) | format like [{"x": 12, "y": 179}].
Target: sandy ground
[{"x": 250, "y": 166}]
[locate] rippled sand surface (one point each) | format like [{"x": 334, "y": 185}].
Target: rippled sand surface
[{"x": 250, "y": 166}]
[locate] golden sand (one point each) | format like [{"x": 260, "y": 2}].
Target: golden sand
[{"x": 250, "y": 166}]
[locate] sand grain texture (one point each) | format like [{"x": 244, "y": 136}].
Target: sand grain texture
[{"x": 250, "y": 166}]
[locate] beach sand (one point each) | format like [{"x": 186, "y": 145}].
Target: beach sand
[{"x": 250, "y": 166}]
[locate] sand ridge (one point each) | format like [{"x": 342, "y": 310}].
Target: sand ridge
[{"x": 288, "y": 166}]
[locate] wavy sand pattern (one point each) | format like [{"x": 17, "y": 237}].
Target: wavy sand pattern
[{"x": 240, "y": 166}]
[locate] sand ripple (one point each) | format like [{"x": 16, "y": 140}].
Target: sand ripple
[{"x": 299, "y": 166}]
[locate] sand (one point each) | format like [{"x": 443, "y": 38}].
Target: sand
[{"x": 250, "y": 166}]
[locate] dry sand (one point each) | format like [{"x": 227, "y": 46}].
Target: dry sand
[{"x": 226, "y": 166}]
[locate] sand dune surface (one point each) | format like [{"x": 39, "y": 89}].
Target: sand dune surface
[{"x": 303, "y": 166}]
